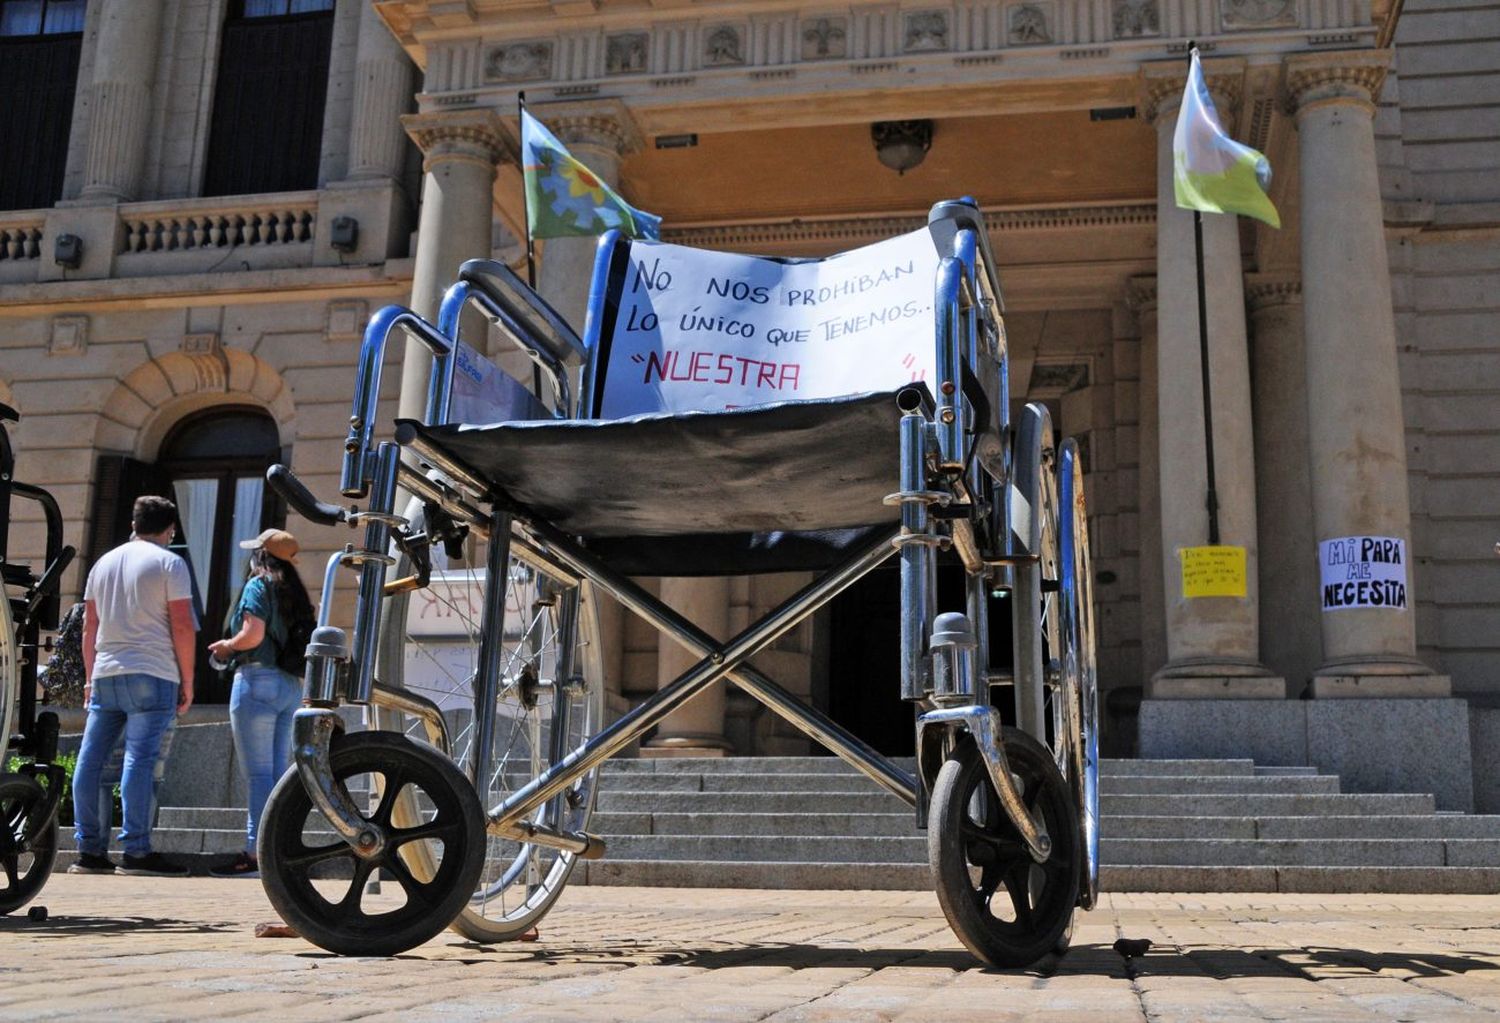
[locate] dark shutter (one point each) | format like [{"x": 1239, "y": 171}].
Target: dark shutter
[
  {"x": 36, "y": 115},
  {"x": 118, "y": 481},
  {"x": 267, "y": 130}
]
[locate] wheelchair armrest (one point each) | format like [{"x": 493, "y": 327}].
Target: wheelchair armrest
[
  {"x": 948, "y": 218},
  {"x": 540, "y": 324}
]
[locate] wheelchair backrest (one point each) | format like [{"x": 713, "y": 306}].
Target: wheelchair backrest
[{"x": 677, "y": 329}]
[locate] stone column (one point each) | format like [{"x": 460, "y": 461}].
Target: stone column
[
  {"x": 382, "y": 92},
  {"x": 120, "y": 99},
  {"x": 1289, "y": 638},
  {"x": 460, "y": 150},
  {"x": 1357, "y": 439},
  {"x": 599, "y": 134},
  {"x": 1153, "y": 595},
  {"x": 1213, "y": 643},
  {"x": 697, "y": 727}
]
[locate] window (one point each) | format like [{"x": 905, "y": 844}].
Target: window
[
  {"x": 39, "y": 46},
  {"x": 267, "y": 128}
]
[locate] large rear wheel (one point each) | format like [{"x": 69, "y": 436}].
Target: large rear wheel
[
  {"x": 1079, "y": 688},
  {"x": 548, "y": 700}
]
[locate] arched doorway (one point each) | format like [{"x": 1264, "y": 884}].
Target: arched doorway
[{"x": 212, "y": 464}]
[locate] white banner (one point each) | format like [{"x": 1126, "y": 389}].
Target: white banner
[
  {"x": 1363, "y": 571},
  {"x": 704, "y": 331}
]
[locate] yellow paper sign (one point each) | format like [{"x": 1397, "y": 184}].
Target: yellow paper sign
[{"x": 1212, "y": 571}]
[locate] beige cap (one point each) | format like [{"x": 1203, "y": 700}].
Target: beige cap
[{"x": 275, "y": 542}]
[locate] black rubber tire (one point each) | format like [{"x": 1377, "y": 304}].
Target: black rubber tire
[
  {"x": 22, "y": 798},
  {"x": 1042, "y": 896},
  {"x": 287, "y": 863}
]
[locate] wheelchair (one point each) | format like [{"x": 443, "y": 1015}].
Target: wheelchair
[
  {"x": 29, "y": 796},
  {"x": 475, "y": 645}
]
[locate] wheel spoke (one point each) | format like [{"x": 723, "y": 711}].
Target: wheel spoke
[
  {"x": 12, "y": 875},
  {"x": 394, "y": 783},
  {"x": 432, "y": 829},
  {"x": 414, "y": 889},
  {"x": 312, "y": 855},
  {"x": 1018, "y": 884},
  {"x": 350, "y": 901}
]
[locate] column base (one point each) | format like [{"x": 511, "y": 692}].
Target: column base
[
  {"x": 1208, "y": 680},
  {"x": 1357, "y": 686},
  {"x": 687, "y": 746}
]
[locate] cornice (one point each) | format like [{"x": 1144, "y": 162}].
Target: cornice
[
  {"x": 1341, "y": 77},
  {"x": 870, "y": 229},
  {"x": 1265, "y": 290},
  {"x": 475, "y": 134}
]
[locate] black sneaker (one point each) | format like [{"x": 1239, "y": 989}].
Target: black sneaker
[
  {"x": 88, "y": 863},
  {"x": 153, "y": 864},
  {"x": 243, "y": 865}
]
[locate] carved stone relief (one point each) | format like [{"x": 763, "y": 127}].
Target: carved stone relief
[
  {"x": 926, "y": 31},
  {"x": 518, "y": 62},
  {"x": 1029, "y": 24},
  {"x": 625, "y": 54},
  {"x": 1135, "y": 18},
  {"x": 1258, "y": 13},
  {"x": 825, "y": 38},
  {"x": 723, "y": 46},
  {"x": 70, "y": 335}
]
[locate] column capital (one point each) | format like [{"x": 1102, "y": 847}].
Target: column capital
[
  {"x": 1140, "y": 293},
  {"x": 476, "y": 135},
  {"x": 1162, "y": 83},
  {"x": 1265, "y": 290},
  {"x": 605, "y": 123},
  {"x": 1348, "y": 77}
]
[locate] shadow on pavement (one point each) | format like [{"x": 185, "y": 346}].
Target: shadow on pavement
[
  {"x": 73, "y": 926},
  {"x": 1313, "y": 963}
]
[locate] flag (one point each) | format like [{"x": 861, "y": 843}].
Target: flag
[
  {"x": 1211, "y": 171},
  {"x": 564, "y": 198}
]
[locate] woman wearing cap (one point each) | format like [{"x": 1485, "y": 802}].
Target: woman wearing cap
[{"x": 264, "y": 697}]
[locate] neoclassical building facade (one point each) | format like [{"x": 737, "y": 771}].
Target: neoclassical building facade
[{"x": 236, "y": 184}]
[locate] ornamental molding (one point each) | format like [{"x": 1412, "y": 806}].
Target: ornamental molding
[
  {"x": 606, "y": 123},
  {"x": 872, "y": 229},
  {"x": 1263, "y": 291},
  {"x": 1162, "y": 84},
  {"x": 460, "y": 134},
  {"x": 1348, "y": 77}
]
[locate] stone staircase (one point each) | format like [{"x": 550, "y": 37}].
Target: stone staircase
[{"x": 813, "y": 822}]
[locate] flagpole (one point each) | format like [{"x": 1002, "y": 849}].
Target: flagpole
[
  {"x": 1212, "y": 499},
  {"x": 525, "y": 202}
]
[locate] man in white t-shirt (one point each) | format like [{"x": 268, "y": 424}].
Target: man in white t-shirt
[{"x": 138, "y": 646}]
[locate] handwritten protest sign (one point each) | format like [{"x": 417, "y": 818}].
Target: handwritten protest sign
[
  {"x": 707, "y": 331},
  {"x": 1213, "y": 571},
  {"x": 1363, "y": 571}
]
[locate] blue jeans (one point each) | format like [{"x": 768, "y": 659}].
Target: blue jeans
[
  {"x": 144, "y": 708},
  {"x": 261, "y": 706}
]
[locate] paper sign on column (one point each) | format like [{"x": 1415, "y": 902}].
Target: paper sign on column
[
  {"x": 1213, "y": 571},
  {"x": 706, "y": 331},
  {"x": 1363, "y": 572}
]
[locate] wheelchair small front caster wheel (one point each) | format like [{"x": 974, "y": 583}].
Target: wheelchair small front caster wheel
[
  {"x": 306, "y": 869},
  {"x": 1006, "y": 908},
  {"x": 25, "y": 863}
]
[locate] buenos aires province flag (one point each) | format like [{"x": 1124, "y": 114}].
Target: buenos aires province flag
[
  {"x": 1211, "y": 171},
  {"x": 564, "y": 198}
]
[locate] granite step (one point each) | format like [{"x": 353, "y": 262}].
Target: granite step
[{"x": 1483, "y": 880}]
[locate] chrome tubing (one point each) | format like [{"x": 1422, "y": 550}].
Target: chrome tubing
[
  {"x": 811, "y": 722},
  {"x": 719, "y": 663},
  {"x": 407, "y": 436},
  {"x": 918, "y": 560},
  {"x": 491, "y": 648},
  {"x": 372, "y": 572},
  {"x": 450, "y": 323},
  {"x": 419, "y": 707},
  {"x": 445, "y": 497},
  {"x": 949, "y": 396},
  {"x": 356, "y": 474},
  {"x": 312, "y": 735},
  {"x": 1026, "y": 517}
]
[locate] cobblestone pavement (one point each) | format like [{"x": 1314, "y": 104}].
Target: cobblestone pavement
[{"x": 144, "y": 948}]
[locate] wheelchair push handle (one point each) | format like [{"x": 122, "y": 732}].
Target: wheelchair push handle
[{"x": 302, "y": 501}]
